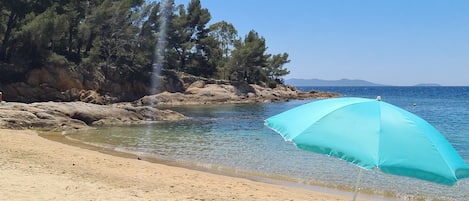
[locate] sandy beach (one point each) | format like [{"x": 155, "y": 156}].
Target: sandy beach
[{"x": 35, "y": 168}]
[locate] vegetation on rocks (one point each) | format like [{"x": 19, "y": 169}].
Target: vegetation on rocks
[
  {"x": 57, "y": 50},
  {"x": 76, "y": 53}
]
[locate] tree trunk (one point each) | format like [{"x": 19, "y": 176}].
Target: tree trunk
[
  {"x": 70, "y": 39},
  {"x": 89, "y": 44},
  {"x": 6, "y": 37}
]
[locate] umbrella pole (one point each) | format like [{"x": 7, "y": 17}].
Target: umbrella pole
[{"x": 357, "y": 183}]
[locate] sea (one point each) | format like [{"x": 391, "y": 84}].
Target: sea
[{"x": 232, "y": 139}]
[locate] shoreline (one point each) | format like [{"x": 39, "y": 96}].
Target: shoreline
[
  {"x": 219, "y": 170},
  {"x": 31, "y": 163}
]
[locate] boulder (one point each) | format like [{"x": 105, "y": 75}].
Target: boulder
[
  {"x": 198, "y": 93},
  {"x": 78, "y": 115},
  {"x": 91, "y": 96}
]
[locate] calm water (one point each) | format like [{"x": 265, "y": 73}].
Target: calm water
[{"x": 233, "y": 137}]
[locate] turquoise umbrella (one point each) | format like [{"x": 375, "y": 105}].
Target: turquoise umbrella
[{"x": 372, "y": 134}]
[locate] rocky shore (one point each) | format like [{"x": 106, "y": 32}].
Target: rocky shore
[
  {"x": 58, "y": 116},
  {"x": 202, "y": 92}
]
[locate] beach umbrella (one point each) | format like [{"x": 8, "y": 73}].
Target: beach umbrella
[{"x": 372, "y": 134}]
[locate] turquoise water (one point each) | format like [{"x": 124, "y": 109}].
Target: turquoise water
[{"x": 233, "y": 137}]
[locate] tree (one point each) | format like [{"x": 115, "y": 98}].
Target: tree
[
  {"x": 198, "y": 18},
  {"x": 116, "y": 33},
  {"x": 40, "y": 34},
  {"x": 118, "y": 38},
  {"x": 149, "y": 22},
  {"x": 179, "y": 42},
  {"x": 74, "y": 12},
  {"x": 225, "y": 35},
  {"x": 16, "y": 10},
  {"x": 189, "y": 48},
  {"x": 274, "y": 69},
  {"x": 248, "y": 58},
  {"x": 88, "y": 28}
]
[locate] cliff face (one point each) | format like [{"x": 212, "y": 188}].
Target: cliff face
[{"x": 92, "y": 84}]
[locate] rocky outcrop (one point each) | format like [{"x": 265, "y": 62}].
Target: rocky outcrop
[
  {"x": 91, "y": 84},
  {"x": 89, "y": 98},
  {"x": 203, "y": 92},
  {"x": 78, "y": 115},
  {"x": 94, "y": 84}
]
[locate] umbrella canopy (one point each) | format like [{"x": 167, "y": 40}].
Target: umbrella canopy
[{"x": 372, "y": 134}]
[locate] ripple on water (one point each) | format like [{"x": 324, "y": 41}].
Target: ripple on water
[{"x": 233, "y": 138}]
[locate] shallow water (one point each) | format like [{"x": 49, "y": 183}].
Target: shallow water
[{"x": 233, "y": 138}]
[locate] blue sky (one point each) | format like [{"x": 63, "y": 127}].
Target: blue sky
[{"x": 394, "y": 42}]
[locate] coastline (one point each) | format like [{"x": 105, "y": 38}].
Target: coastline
[{"x": 30, "y": 163}]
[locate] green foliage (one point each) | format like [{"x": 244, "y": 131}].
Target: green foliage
[
  {"x": 41, "y": 34},
  {"x": 274, "y": 69},
  {"x": 189, "y": 47},
  {"x": 248, "y": 58},
  {"x": 224, "y": 36},
  {"x": 120, "y": 35},
  {"x": 57, "y": 60}
]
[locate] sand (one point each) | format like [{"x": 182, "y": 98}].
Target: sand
[{"x": 35, "y": 168}]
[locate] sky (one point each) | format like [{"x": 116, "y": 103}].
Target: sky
[{"x": 392, "y": 42}]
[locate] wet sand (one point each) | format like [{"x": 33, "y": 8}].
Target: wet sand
[{"x": 35, "y": 168}]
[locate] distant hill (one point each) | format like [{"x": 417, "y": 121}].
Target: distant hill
[
  {"x": 320, "y": 83},
  {"x": 428, "y": 85}
]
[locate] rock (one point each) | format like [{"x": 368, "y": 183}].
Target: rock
[
  {"x": 78, "y": 115},
  {"x": 91, "y": 96},
  {"x": 59, "y": 78},
  {"x": 39, "y": 84},
  {"x": 26, "y": 116},
  {"x": 102, "y": 92},
  {"x": 199, "y": 93},
  {"x": 198, "y": 84},
  {"x": 106, "y": 85}
]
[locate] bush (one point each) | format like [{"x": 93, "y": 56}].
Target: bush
[{"x": 57, "y": 60}]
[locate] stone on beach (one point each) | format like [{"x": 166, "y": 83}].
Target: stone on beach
[{"x": 78, "y": 115}]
